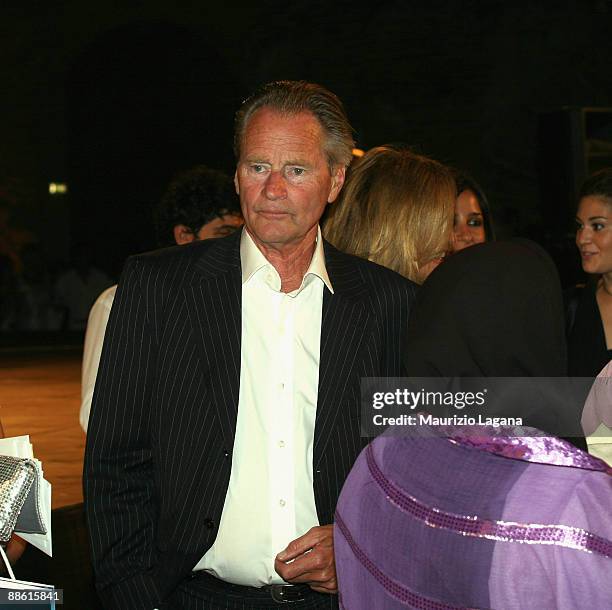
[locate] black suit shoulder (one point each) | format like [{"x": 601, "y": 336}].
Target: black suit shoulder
[
  {"x": 388, "y": 297},
  {"x": 164, "y": 271},
  {"x": 193, "y": 250},
  {"x": 382, "y": 277},
  {"x": 380, "y": 282},
  {"x": 222, "y": 250}
]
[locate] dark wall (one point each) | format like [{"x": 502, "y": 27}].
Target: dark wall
[
  {"x": 145, "y": 100},
  {"x": 116, "y": 99}
]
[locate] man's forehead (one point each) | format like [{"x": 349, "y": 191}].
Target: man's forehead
[{"x": 269, "y": 126}]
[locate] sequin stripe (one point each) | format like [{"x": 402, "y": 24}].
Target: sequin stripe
[
  {"x": 393, "y": 588},
  {"x": 536, "y": 449},
  {"x": 504, "y": 531}
]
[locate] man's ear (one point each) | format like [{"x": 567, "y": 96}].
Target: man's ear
[
  {"x": 338, "y": 175},
  {"x": 183, "y": 234},
  {"x": 236, "y": 183}
]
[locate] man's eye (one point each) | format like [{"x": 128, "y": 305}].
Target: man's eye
[
  {"x": 297, "y": 171},
  {"x": 597, "y": 226},
  {"x": 257, "y": 168}
]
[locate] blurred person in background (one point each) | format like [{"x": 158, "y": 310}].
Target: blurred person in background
[
  {"x": 12, "y": 238},
  {"x": 396, "y": 210},
  {"x": 472, "y": 222},
  {"x": 589, "y": 311},
  {"x": 38, "y": 310},
  {"x": 9, "y": 294},
  {"x": 200, "y": 203},
  {"x": 77, "y": 287}
]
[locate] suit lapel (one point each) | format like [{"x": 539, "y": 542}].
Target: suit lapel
[
  {"x": 345, "y": 325},
  {"x": 213, "y": 302}
]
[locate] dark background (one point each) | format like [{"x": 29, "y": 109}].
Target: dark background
[{"x": 113, "y": 98}]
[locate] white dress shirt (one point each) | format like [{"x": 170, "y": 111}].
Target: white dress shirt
[{"x": 270, "y": 498}]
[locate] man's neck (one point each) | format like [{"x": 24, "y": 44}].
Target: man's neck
[{"x": 291, "y": 261}]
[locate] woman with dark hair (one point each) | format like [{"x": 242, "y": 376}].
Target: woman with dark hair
[
  {"x": 589, "y": 311},
  {"x": 472, "y": 222},
  {"x": 475, "y": 516}
]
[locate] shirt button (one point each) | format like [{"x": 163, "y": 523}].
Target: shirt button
[
  {"x": 282, "y": 503},
  {"x": 281, "y": 444}
]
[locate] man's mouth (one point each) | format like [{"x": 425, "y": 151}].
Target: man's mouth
[{"x": 273, "y": 213}]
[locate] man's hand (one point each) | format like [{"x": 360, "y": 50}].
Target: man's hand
[{"x": 309, "y": 560}]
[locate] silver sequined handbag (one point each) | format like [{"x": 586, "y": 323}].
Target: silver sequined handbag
[{"x": 17, "y": 475}]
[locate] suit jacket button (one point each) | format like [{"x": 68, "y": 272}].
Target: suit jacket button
[
  {"x": 225, "y": 453},
  {"x": 209, "y": 523}
]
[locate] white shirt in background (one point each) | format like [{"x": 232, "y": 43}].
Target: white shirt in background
[
  {"x": 597, "y": 416},
  {"x": 94, "y": 339}
]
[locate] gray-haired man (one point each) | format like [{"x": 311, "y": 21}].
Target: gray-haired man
[{"x": 226, "y": 417}]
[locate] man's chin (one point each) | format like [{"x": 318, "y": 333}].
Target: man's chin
[{"x": 271, "y": 233}]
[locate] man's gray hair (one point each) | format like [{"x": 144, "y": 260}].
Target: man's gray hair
[{"x": 292, "y": 97}]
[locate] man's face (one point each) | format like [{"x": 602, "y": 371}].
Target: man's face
[
  {"x": 217, "y": 227},
  {"x": 283, "y": 179},
  {"x": 220, "y": 227}
]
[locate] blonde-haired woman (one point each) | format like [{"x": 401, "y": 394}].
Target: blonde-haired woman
[{"x": 396, "y": 210}]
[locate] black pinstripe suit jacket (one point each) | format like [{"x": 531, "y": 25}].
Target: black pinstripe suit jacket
[{"x": 159, "y": 446}]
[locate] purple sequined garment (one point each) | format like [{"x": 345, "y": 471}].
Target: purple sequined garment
[
  {"x": 534, "y": 447},
  {"x": 470, "y": 525},
  {"x": 477, "y": 522}
]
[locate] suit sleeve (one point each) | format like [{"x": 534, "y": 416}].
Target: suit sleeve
[{"x": 118, "y": 473}]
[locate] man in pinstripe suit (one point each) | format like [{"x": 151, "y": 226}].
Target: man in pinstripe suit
[{"x": 226, "y": 412}]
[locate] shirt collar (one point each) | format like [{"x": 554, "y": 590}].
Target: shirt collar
[{"x": 252, "y": 260}]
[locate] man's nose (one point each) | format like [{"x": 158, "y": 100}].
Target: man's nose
[{"x": 275, "y": 187}]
